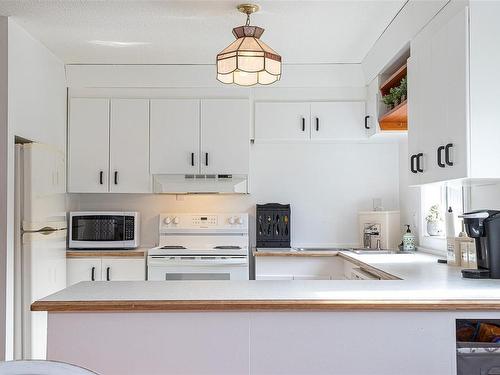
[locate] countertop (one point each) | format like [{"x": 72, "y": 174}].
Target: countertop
[
  {"x": 424, "y": 285},
  {"x": 140, "y": 252}
]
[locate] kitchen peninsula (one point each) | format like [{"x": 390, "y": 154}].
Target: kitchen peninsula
[{"x": 278, "y": 327}]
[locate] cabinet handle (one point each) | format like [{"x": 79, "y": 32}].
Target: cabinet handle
[
  {"x": 192, "y": 159},
  {"x": 101, "y": 174},
  {"x": 206, "y": 159},
  {"x": 303, "y": 124},
  {"x": 412, "y": 163},
  {"x": 419, "y": 169},
  {"x": 440, "y": 150},
  {"x": 92, "y": 274},
  {"x": 317, "y": 124},
  {"x": 108, "y": 269},
  {"x": 447, "y": 154},
  {"x": 366, "y": 122},
  {"x": 116, "y": 177}
]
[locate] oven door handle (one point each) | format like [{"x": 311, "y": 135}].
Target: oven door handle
[{"x": 189, "y": 261}]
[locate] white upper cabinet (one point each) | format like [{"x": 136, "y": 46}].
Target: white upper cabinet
[
  {"x": 282, "y": 121},
  {"x": 337, "y": 120},
  {"x": 129, "y": 146},
  {"x": 109, "y": 153},
  {"x": 438, "y": 136},
  {"x": 88, "y": 135},
  {"x": 175, "y": 133},
  {"x": 309, "y": 120},
  {"x": 371, "y": 126},
  {"x": 225, "y": 136}
]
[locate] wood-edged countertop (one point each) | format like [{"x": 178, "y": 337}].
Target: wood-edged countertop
[
  {"x": 419, "y": 283},
  {"x": 140, "y": 252}
]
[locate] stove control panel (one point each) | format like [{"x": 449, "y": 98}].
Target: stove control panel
[{"x": 237, "y": 221}]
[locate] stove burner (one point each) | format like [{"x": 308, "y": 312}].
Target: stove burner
[
  {"x": 173, "y": 247},
  {"x": 229, "y": 247}
]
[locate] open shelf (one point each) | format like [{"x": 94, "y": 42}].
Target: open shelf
[
  {"x": 396, "y": 118},
  {"x": 393, "y": 80}
]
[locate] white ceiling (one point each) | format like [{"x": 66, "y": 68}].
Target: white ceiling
[{"x": 193, "y": 32}]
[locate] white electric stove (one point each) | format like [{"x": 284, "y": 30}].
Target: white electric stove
[{"x": 200, "y": 247}]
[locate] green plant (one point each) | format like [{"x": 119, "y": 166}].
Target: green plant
[
  {"x": 434, "y": 215},
  {"x": 403, "y": 86},
  {"x": 396, "y": 94},
  {"x": 388, "y": 99}
]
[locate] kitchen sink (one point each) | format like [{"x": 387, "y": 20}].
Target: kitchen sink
[
  {"x": 317, "y": 249},
  {"x": 381, "y": 251}
]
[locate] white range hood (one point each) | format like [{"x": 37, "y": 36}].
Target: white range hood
[{"x": 200, "y": 184}]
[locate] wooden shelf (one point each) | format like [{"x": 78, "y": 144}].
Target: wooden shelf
[
  {"x": 393, "y": 80},
  {"x": 396, "y": 118}
]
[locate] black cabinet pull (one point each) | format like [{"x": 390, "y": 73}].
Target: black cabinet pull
[
  {"x": 317, "y": 124},
  {"x": 192, "y": 159},
  {"x": 440, "y": 150},
  {"x": 412, "y": 163},
  {"x": 419, "y": 168},
  {"x": 206, "y": 159},
  {"x": 447, "y": 154},
  {"x": 303, "y": 124},
  {"x": 366, "y": 122},
  {"x": 101, "y": 174},
  {"x": 108, "y": 269},
  {"x": 92, "y": 274},
  {"x": 116, "y": 177}
]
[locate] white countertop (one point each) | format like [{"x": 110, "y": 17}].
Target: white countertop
[{"x": 423, "y": 279}]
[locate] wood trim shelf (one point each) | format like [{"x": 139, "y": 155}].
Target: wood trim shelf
[
  {"x": 393, "y": 80},
  {"x": 266, "y": 305},
  {"x": 396, "y": 118}
]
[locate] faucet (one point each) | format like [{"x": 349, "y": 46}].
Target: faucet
[{"x": 370, "y": 230}]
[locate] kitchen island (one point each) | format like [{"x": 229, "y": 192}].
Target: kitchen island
[{"x": 272, "y": 327}]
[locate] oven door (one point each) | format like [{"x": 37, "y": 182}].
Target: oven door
[{"x": 197, "y": 268}]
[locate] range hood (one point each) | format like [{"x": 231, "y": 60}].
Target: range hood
[{"x": 200, "y": 184}]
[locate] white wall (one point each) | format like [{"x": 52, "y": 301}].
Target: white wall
[
  {"x": 37, "y": 112},
  {"x": 326, "y": 184},
  {"x": 3, "y": 178},
  {"x": 410, "y": 20},
  {"x": 409, "y": 197}
]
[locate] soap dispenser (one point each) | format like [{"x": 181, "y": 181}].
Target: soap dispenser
[{"x": 408, "y": 240}]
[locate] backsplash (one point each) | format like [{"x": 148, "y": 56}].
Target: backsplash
[{"x": 326, "y": 185}]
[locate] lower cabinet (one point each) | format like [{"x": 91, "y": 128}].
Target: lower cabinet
[
  {"x": 105, "y": 269},
  {"x": 299, "y": 268}
]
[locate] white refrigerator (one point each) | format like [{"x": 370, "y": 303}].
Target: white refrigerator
[{"x": 40, "y": 248}]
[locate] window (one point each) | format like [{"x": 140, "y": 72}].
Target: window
[{"x": 434, "y": 202}]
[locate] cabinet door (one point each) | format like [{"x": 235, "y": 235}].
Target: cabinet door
[
  {"x": 282, "y": 121},
  {"x": 123, "y": 269},
  {"x": 129, "y": 146},
  {"x": 442, "y": 55},
  {"x": 372, "y": 103},
  {"x": 414, "y": 120},
  {"x": 83, "y": 269},
  {"x": 175, "y": 136},
  {"x": 88, "y": 145},
  {"x": 225, "y": 136},
  {"x": 338, "y": 120}
]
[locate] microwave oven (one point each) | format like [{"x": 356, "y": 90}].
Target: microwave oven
[{"x": 103, "y": 230}]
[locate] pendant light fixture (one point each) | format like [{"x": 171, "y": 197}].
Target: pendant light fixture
[{"x": 248, "y": 60}]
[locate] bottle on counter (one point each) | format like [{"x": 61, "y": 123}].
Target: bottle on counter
[{"x": 408, "y": 240}]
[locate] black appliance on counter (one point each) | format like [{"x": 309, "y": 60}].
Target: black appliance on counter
[
  {"x": 273, "y": 225},
  {"x": 484, "y": 227}
]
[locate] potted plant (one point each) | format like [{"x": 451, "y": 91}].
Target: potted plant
[
  {"x": 403, "y": 87},
  {"x": 434, "y": 221},
  {"x": 396, "y": 95},
  {"x": 388, "y": 100}
]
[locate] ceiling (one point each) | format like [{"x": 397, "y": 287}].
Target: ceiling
[{"x": 193, "y": 32}]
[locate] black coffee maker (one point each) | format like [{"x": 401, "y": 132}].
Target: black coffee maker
[{"x": 484, "y": 227}]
